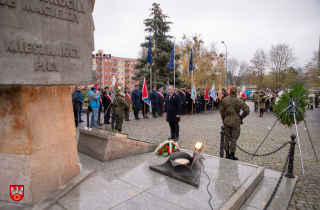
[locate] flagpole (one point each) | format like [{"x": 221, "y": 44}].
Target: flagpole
[{"x": 174, "y": 66}]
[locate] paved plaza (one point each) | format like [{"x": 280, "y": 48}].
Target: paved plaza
[{"x": 206, "y": 127}]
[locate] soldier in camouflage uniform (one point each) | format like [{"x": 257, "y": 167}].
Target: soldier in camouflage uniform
[
  {"x": 232, "y": 120},
  {"x": 120, "y": 107}
]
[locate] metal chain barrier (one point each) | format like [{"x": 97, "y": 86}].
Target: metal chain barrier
[
  {"x": 279, "y": 182},
  {"x": 263, "y": 155}
]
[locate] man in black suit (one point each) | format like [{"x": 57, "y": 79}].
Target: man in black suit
[{"x": 172, "y": 112}]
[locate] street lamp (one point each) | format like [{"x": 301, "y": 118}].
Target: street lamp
[
  {"x": 100, "y": 56},
  {"x": 226, "y": 82}
]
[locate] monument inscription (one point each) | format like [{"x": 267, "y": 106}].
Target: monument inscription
[{"x": 45, "y": 42}]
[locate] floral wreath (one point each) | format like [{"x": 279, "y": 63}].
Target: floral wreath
[{"x": 167, "y": 148}]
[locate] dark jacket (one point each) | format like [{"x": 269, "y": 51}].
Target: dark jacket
[
  {"x": 188, "y": 97},
  {"x": 106, "y": 101},
  {"x": 75, "y": 103},
  {"x": 79, "y": 96},
  {"x": 136, "y": 97},
  {"x": 154, "y": 99},
  {"x": 161, "y": 100},
  {"x": 173, "y": 108},
  {"x": 182, "y": 95}
]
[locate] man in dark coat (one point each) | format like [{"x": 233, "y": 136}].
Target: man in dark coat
[
  {"x": 182, "y": 95},
  {"x": 106, "y": 102},
  {"x": 80, "y": 98},
  {"x": 136, "y": 98},
  {"x": 172, "y": 112},
  {"x": 189, "y": 101},
  {"x": 75, "y": 105},
  {"x": 154, "y": 100},
  {"x": 161, "y": 101}
]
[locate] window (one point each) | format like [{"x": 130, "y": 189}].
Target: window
[
  {"x": 94, "y": 59},
  {"x": 122, "y": 79},
  {"x": 131, "y": 68},
  {"x": 109, "y": 66},
  {"x": 106, "y": 79},
  {"x": 105, "y": 66},
  {"x": 131, "y": 62},
  {"x": 110, "y": 79},
  {"x": 122, "y": 67},
  {"x": 135, "y": 62},
  {"x": 106, "y": 73},
  {"x": 118, "y": 73},
  {"x": 93, "y": 65},
  {"x": 105, "y": 60},
  {"x": 122, "y": 61},
  {"x": 126, "y": 73},
  {"x": 117, "y": 67},
  {"x": 110, "y": 73},
  {"x": 109, "y": 60},
  {"x": 132, "y": 85},
  {"x": 122, "y": 73}
]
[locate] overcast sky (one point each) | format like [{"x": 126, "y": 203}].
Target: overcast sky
[{"x": 244, "y": 25}]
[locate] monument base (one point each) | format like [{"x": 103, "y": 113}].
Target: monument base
[
  {"x": 106, "y": 145},
  {"x": 38, "y": 141}
]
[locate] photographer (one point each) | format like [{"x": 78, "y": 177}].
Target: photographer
[{"x": 120, "y": 108}]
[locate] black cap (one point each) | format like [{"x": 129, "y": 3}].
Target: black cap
[
  {"x": 93, "y": 88},
  {"x": 107, "y": 87},
  {"x": 136, "y": 85},
  {"x": 126, "y": 88},
  {"x": 189, "y": 87},
  {"x": 182, "y": 87}
]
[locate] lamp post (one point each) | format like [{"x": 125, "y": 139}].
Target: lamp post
[{"x": 226, "y": 82}]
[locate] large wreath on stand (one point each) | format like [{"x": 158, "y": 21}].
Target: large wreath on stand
[{"x": 298, "y": 91}]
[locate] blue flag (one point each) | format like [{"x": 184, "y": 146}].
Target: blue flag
[
  {"x": 191, "y": 62},
  {"x": 167, "y": 87},
  {"x": 149, "y": 58},
  {"x": 213, "y": 93},
  {"x": 171, "y": 58}
]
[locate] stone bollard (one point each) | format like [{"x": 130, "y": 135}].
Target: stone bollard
[
  {"x": 291, "y": 157},
  {"x": 222, "y": 141}
]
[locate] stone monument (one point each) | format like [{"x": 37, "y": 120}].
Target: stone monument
[{"x": 45, "y": 46}]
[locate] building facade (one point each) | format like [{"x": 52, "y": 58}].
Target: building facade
[{"x": 122, "y": 67}]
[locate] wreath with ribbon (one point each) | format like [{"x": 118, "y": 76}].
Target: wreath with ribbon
[{"x": 167, "y": 148}]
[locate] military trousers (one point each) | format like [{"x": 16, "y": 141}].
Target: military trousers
[
  {"x": 119, "y": 122},
  {"x": 256, "y": 105},
  {"x": 316, "y": 102},
  {"x": 234, "y": 132}
]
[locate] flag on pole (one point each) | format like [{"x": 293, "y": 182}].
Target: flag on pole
[
  {"x": 213, "y": 93},
  {"x": 96, "y": 85},
  {"x": 191, "y": 62},
  {"x": 228, "y": 90},
  {"x": 171, "y": 63},
  {"x": 167, "y": 87},
  {"x": 220, "y": 92},
  {"x": 193, "y": 93},
  {"x": 206, "y": 96},
  {"x": 243, "y": 92},
  {"x": 149, "y": 58},
  {"x": 145, "y": 96},
  {"x": 114, "y": 81}
]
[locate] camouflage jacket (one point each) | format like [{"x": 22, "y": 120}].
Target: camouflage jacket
[
  {"x": 119, "y": 105},
  {"x": 230, "y": 117}
]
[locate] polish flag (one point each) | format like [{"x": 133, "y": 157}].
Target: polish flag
[
  {"x": 243, "y": 92},
  {"x": 114, "y": 81},
  {"x": 206, "y": 96}
]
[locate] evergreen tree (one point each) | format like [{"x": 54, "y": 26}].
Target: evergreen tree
[{"x": 157, "y": 27}]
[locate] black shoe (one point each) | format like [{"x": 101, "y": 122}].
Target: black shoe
[
  {"x": 100, "y": 124},
  {"x": 232, "y": 156},
  {"x": 81, "y": 121},
  {"x": 176, "y": 139},
  {"x": 227, "y": 155},
  {"x": 170, "y": 138},
  {"x": 107, "y": 123},
  {"x": 137, "y": 118},
  {"x": 147, "y": 117},
  {"x": 128, "y": 120}
]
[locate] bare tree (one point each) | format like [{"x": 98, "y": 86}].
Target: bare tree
[
  {"x": 281, "y": 57},
  {"x": 259, "y": 63},
  {"x": 312, "y": 69},
  {"x": 242, "y": 73},
  {"x": 233, "y": 65}
]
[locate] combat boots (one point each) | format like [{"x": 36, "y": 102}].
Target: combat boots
[
  {"x": 232, "y": 156},
  {"x": 227, "y": 154}
]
